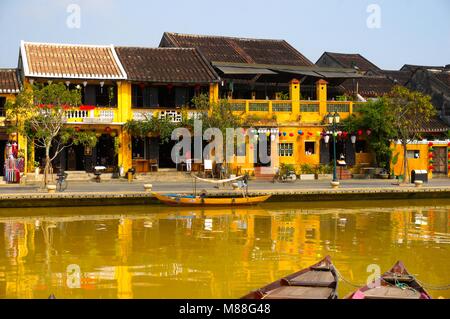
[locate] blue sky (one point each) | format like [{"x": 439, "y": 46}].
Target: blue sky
[{"x": 411, "y": 31}]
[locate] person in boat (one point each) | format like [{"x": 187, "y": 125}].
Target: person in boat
[{"x": 203, "y": 193}]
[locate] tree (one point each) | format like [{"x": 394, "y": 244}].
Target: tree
[
  {"x": 39, "y": 114},
  {"x": 397, "y": 115},
  {"x": 376, "y": 117},
  {"x": 409, "y": 110}
]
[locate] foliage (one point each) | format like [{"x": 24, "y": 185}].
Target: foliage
[
  {"x": 374, "y": 115},
  {"x": 408, "y": 110},
  {"x": 151, "y": 125},
  {"x": 283, "y": 95},
  {"x": 324, "y": 169},
  {"x": 39, "y": 114},
  {"x": 307, "y": 169},
  {"x": 286, "y": 168}
]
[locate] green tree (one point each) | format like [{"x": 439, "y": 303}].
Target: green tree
[
  {"x": 39, "y": 114},
  {"x": 408, "y": 109}
]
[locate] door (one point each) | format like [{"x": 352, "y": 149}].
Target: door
[{"x": 440, "y": 160}]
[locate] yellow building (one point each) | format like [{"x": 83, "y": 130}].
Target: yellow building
[{"x": 267, "y": 82}]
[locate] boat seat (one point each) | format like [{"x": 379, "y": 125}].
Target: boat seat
[
  {"x": 391, "y": 292},
  {"x": 313, "y": 278},
  {"x": 299, "y": 292}
]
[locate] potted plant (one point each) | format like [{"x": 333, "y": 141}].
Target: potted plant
[
  {"x": 324, "y": 172},
  {"x": 307, "y": 172}
]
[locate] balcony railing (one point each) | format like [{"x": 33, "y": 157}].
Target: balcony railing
[
  {"x": 95, "y": 116},
  {"x": 281, "y": 106},
  {"x": 309, "y": 107},
  {"x": 340, "y": 107},
  {"x": 258, "y": 106}
]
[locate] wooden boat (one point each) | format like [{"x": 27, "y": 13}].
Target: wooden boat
[
  {"x": 318, "y": 281},
  {"x": 190, "y": 200},
  {"x": 396, "y": 283}
]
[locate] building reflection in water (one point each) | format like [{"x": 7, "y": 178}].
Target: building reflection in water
[{"x": 218, "y": 253}]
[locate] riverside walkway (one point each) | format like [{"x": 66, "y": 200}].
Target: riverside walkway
[{"x": 124, "y": 193}]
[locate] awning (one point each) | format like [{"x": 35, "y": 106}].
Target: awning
[
  {"x": 300, "y": 72},
  {"x": 244, "y": 70}
]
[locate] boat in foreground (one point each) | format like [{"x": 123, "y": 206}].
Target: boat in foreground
[
  {"x": 190, "y": 200},
  {"x": 396, "y": 283},
  {"x": 318, "y": 281}
]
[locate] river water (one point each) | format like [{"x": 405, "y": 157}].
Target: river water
[{"x": 163, "y": 252}]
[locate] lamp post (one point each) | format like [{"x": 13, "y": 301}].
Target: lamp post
[{"x": 333, "y": 120}]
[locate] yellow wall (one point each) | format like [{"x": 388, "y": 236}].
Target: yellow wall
[{"x": 421, "y": 163}]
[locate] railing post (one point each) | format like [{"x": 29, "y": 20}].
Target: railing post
[
  {"x": 247, "y": 106},
  {"x": 294, "y": 95},
  {"x": 321, "y": 93},
  {"x": 270, "y": 107},
  {"x": 350, "y": 107}
]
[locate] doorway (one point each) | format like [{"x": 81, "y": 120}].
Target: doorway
[
  {"x": 2, "y": 157},
  {"x": 440, "y": 160},
  {"x": 165, "y": 157},
  {"x": 106, "y": 155}
]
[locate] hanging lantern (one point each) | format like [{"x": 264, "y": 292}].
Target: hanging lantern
[
  {"x": 326, "y": 138},
  {"x": 359, "y": 132},
  {"x": 284, "y": 133},
  {"x": 353, "y": 138},
  {"x": 449, "y": 155},
  {"x": 334, "y": 134},
  {"x": 339, "y": 133},
  {"x": 267, "y": 133},
  {"x": 430, "y": 155},
  {"x": 368, "y": 132},
  {"x": 299, "y": 132},
  {"x": 430, "y": 144},
  {"x": 98, "y": 134},
  {"x": 279, "y": 134},
  {"x": 256, "y": 136},
  {"x": 345, "y": 133},
  {"x": 448, "y": 145},
  {"x": 431, "y": 161},
  {"x": 77, "y": 128},
  {"x": 291, "y": 134},
  {"x": 272, "y": 138},
  {"x": 449, "y": 167},
  {"x": 310, "y": 134},
  {"x": 107, "y": 129},
  {"x": 317, "y": 134},
  {"x": 430, "y": 167},
  {"x": 113, "y": 134}
]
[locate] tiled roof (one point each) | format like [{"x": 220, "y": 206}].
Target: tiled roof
[
  {"x": 9, "y": 82},
  {"x": 169, "y": 65},
  {"x": 368, "y": 86},
  {"x": 400, "y": 77},
  {"x": 238, "y": 50},
  {"x": 352, "y": 60},
  {"x": 412, "y": 67},
  {"x": 71, "y": 61},
  {"x": 444, "y": 77},
  {"x": 433, "y": 125}
]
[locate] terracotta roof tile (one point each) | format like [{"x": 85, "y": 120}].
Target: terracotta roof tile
[
  {"x": 9, "y": 82},
  {"x": 71, "y": 61},
  {"x": 168, "y": 65},
  {"x": 238, "y": 50}
]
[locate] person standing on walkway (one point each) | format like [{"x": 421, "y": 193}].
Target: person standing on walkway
[{"x": 188, "y": 161}]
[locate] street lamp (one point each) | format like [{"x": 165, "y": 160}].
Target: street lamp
[{"x": 333, "y": 120}]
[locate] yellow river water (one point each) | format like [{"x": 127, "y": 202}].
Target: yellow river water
[{"x": 163, "y": 252}]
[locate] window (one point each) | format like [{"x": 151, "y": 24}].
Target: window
[
  {"x": 310, "y": 148},
  {"x": 360, "y": 147},
  {"x": 286, "y": 149},
  {"x": 144, "y": 96},
  {"x": 106, "y": 96},
  {"x": 412, "y": 154}
]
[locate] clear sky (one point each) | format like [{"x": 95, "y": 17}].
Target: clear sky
[{"x": 398, "y": 32}]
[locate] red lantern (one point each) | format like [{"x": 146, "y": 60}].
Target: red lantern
[
  {"x": 345, "y": 133},
  {"x": 430, "y": 144},
  {"x": 368, "y": 132},
  {"x": 359, "y": 132},
  {"x": 430, "y": 167},
  {"x": 77, "y": 128},
  {"x": 310, "y": 134},
  {"x": 448, "y": 145},
  {"x": 291, "y": 134},
  {"x": 430, "y": 155},
  {"x": 107, "y": 129}
]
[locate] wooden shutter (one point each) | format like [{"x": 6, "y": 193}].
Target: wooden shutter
[{"x": 324, "y": 153}]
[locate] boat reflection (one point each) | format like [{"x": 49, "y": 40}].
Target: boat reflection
[{"x": 167, "y": 252}]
